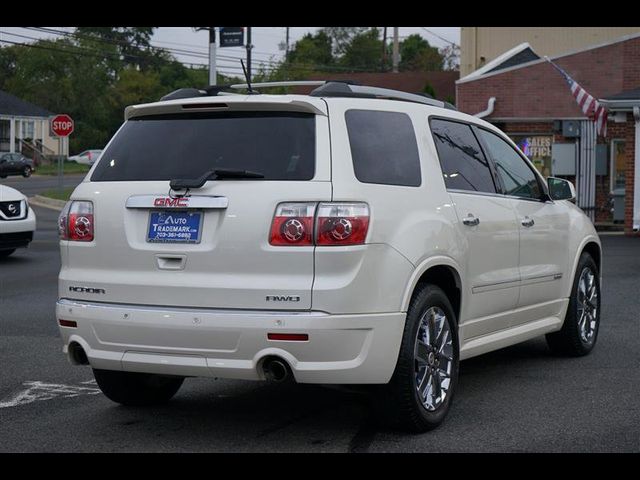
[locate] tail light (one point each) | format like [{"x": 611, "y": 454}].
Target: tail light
[
  {"x": 293, "y": 224},
  {"x": 335, "y": 224},
  {"x": 342, "y": 223},
  {"x": 75, "y": 222}
]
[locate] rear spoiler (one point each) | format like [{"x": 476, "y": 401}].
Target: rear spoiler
[{"x": 226, "y": 103}]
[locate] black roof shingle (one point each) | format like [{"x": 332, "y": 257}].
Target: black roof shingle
[
  {"x": 626, "y": 95},
  {"x": 14, "y": 106}
]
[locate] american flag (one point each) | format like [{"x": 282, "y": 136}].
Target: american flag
[{"x": 589, "y": 105}]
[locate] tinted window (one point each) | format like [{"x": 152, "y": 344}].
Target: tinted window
[
  {"x": 281, "y": 146},
  {"x": 516, "y": 176},
  {"x": 383, "y": 147},
  {"x": 464, "y": 166}
]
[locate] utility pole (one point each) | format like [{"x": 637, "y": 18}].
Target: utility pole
[
  {"x": 286, "y": 55},
  {"x": 396, "y": 50},
  {"x": 212, "y": 56},
  {"x": 384, "y": 49},
  {"x": 286, "y": 52},
  {"x": 249, "y": 47}
]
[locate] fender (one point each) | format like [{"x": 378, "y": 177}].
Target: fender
[
  {"x": 423, "y": 267},
  {"x": 587, "y": 239}
]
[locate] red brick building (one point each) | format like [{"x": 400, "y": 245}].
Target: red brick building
[
  {"x": 443, "y": 84},
  {"x": 529, "y": 99}
]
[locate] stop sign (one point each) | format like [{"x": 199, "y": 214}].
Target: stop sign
[{"x": 62, "y": 125}]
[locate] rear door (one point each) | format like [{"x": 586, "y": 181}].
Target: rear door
[
  {"x": 228, "y": 261},
  {"x": 487, "y": 222}
]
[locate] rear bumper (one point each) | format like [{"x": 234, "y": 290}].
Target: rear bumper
[{"x": 233, "y": 343}]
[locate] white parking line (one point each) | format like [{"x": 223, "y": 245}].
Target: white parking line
[{"x": 38, "y": 391}]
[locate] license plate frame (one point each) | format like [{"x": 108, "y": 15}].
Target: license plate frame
[{"x": 194, "y": 220}]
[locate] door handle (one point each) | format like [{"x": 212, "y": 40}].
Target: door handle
[
  {"x": 471, "y": 221},
  {"x": 528, "y": 222}
]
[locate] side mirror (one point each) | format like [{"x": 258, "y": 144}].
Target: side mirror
[{"x": 560, "y": 189}]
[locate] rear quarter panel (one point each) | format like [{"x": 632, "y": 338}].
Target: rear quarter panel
[{"x": 412, "y": 225}]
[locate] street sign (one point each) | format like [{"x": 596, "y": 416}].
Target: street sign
[
  {"x": 61, "y": 125},
  {"x": 231, "y": 36}
]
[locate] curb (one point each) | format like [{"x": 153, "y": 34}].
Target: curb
[{"x": 46, "y": 202}]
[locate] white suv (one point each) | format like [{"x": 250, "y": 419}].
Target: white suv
[
  {"x": 351, "y": 236},
  {"x": 17, "y": 221}
]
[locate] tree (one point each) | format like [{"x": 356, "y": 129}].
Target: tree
[
  {"x": 132, "y": 43},
  {"x": 451, "y": 57},
  {"x": 429, "y": 90},
  {"x": 363, "y": 51},
  {"x": 341, "y": 37},
  {"x": 417, "y": 54},
  {"x": 311, "y": 50}
]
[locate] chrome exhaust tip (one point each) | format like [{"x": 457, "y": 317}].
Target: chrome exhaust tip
[{"x": 276, "y": 370}]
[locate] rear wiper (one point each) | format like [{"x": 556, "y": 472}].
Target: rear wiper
[{"x": 217, "y": 174}]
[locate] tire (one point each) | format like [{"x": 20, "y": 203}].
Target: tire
[
  {"x": 399, "y": 402},
  {"x": 6, "y": 253},
  {"x": 26, "y": 172},
  {"x": 581, "y": 323},
  {"x": 137, "y": 389},
  {"x": 3, "y": 176}
]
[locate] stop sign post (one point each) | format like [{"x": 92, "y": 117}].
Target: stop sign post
[{"x": 61, "y": 126}]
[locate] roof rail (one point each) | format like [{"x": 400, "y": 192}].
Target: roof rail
[
  {"x": 326, "y": 88},
  {"x": 292, "y": 83},
  {"x": 335, "y": 89}
]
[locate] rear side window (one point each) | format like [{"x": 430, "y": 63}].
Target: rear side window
[
  {"x": 279, "y": 145},
  {"x": 383, "y": 147},
  {"x": 464, "y": 166}
]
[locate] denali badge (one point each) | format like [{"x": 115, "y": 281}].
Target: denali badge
[
  {"x": 283, "y": 298},
  {"x": 87, "y": 290}
]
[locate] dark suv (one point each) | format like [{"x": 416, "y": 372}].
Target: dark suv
[{"x": 15, "y": 164}]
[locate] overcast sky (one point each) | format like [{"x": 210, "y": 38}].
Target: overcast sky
[{"x": 192, "y": 47}]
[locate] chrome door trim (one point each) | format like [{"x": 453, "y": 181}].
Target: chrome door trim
[{"x": 516, "y": 283}]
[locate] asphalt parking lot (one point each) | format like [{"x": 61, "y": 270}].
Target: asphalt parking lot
[
  {"x": 519, "y": 399},
  {"x": 39, "y": 183}
]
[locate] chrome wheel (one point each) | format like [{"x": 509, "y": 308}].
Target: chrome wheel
[
  {"x": 433, "y": 358},
  {"x": 587, "y": 303}
]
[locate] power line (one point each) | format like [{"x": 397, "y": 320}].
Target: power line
[
  {"x": 440, "y": 37},
  {"x": 269, "y": 65},
  {"x": 175, "y": 51},
  {"x": 74, "y": 50}
]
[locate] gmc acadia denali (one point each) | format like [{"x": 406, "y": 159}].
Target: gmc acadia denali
[{"x": 354, "y": 235}]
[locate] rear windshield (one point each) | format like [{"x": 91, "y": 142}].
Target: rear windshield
[{"x": 280, "y": 146}]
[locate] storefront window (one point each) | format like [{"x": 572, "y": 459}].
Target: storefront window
[
  {"x": 538, "y": 149},
  {"x": 617, "y": 164}
]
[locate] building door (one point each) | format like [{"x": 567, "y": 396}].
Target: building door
[
  {"x": 636, "y": 194},
  {"x": 586, "y": 169},
  {"x": 5, "y": 135}
]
